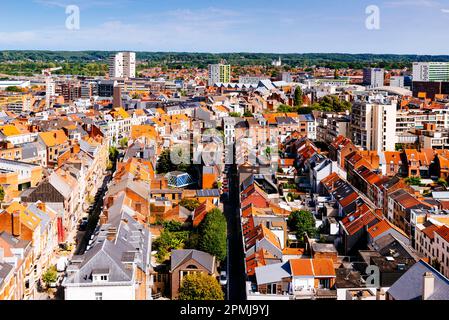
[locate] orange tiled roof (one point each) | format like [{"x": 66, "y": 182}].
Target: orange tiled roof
[
  {"x": 443, "y": 232},
  {"x": 53, "y": 138},
  {"x": 430, "y": 231},
  {"x": 393, "y": 157},
  {"x": 312, "y": 267},
  {"x": 27, "y": 218}
]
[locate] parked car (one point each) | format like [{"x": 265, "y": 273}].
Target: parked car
[
  {"x": 83, "y": 224},
  {"x": 223, "y": 278}
]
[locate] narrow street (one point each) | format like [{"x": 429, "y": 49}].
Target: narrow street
[
  {"x": 236, "y": 268},
  {"x": 84, "y": 236}
]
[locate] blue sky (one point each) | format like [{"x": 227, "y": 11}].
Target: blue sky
[{"x": 277, "y": 26}]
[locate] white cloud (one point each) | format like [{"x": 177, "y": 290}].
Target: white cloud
[
  {"x": 412, "y": 3},
  {"x": 83, "y": 3}
]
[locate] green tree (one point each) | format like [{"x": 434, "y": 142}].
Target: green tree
[
  {"x": 169, "y": 241},
  {"x": 50, "y": 276},
  {"x": 413, "y": 181},
  {"x": 213, "y": 234},
  {"x": 124, "y": 143},
  {"x": 189, "y": 204},
  {"x": 13, "y": 89},
  {"x": 200, "y": 286},
  {"x": 2, "y": 194},
  {"x": 302, "y": 222},
  {"x": 248, "y": 114},
  {"x": 298, "y": 96},
  {"x": 172, "y": 226},
  {"x": 285, "y": 108},
  {"x": 442, "y": 182},
  {"x": 235, "y": 114},
  {"x": 113, "y": 154},
  {"x": 164, "y": 163}
]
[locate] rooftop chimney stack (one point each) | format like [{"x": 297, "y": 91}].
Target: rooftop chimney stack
[
  {"x": 16, "y": 226},
  {"x": 428, "y": 285},
  {"x": 42, "y": 207}
]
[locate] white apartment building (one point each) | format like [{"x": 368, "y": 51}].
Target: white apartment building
[
  {"x": 373, "y": 123},
  {"x": 407, "y": 120},
  {"x": 373, "y": 77},
  {"x": 219, "y": 73},
  {"x": 432, "y": 240},
  {"x": 50, "y": 91},
  {"x": 123, "y": 65},
  {"x": 430, "y": 71}
]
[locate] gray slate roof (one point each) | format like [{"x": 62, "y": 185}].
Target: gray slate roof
[
  {"x": 273, "y": 273},
  {"x": 5, "y": 269},
  {"x": 203, "y": 258},
  {"x": 410, "y": 285}
]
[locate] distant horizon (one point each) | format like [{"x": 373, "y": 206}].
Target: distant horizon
[{"x": 228, "y": 52}]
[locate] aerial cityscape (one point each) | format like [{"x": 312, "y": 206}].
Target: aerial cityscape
[{"x": 134, "y": 172}]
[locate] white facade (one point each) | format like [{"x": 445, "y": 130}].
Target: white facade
[
  {"x": 219, "y": 73},
  {"x": 303, "y": 285},
  {"x": 397, "y": 81},
  {"x": 123, "y": 65},
  {"x": 431, "y": 71},
  {"x": 373, "y": 77},
  {"x": 436, "y": 249},
  {"x": 373, "y": 125},
  {"x": 96, "y": 292},
  {"x": 20, "y": 84}
]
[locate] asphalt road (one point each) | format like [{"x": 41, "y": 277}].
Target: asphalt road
[
  {"x": 94, "y": 215},
  {"x": 236, "y": 268}
]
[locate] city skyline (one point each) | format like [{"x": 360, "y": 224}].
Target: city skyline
[{"x": 292, "y": 26}]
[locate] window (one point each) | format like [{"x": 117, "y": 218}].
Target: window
[
  {"x": 98, "y": 296},
  {"x": 325, "y": 283},
  {"x": 271, "y": 288},
  {"x": 104, "y": 278}
]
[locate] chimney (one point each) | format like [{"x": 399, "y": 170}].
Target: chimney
[
  {"x": 428, "y": 285},
  {"x": 42, "y": 207},
  {"x": 16, "y": 226},
  {"x": 2, "y": 254},
  {"x": 112, "y": 233}
]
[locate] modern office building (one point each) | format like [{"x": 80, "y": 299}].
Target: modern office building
[
  {"x": 106, "y": 88},
  {"x": 431, "y": 71},
  {"x": 219, "y": 73},
  {"x": 430, "y": 79},
  {"x": 123, "y": 65},
  {"x": 373, "y": 123},
  {"x": 373, "y": 77}
]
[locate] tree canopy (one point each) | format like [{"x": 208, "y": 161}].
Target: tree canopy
[
  {"x": 2, "y": 194},
  {"x": 332, "y": 104},
  {"x": 200, "y": 286},
  {"x": 302, "y": 222},
  {"x": 298, "y": 96},
  {"x": 189, "y": 204},
  {"x": 413, "y": 181},
  {"x": 213, "y": 234}
]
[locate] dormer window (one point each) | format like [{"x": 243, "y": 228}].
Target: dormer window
[{"x": 99, "y": 276}]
